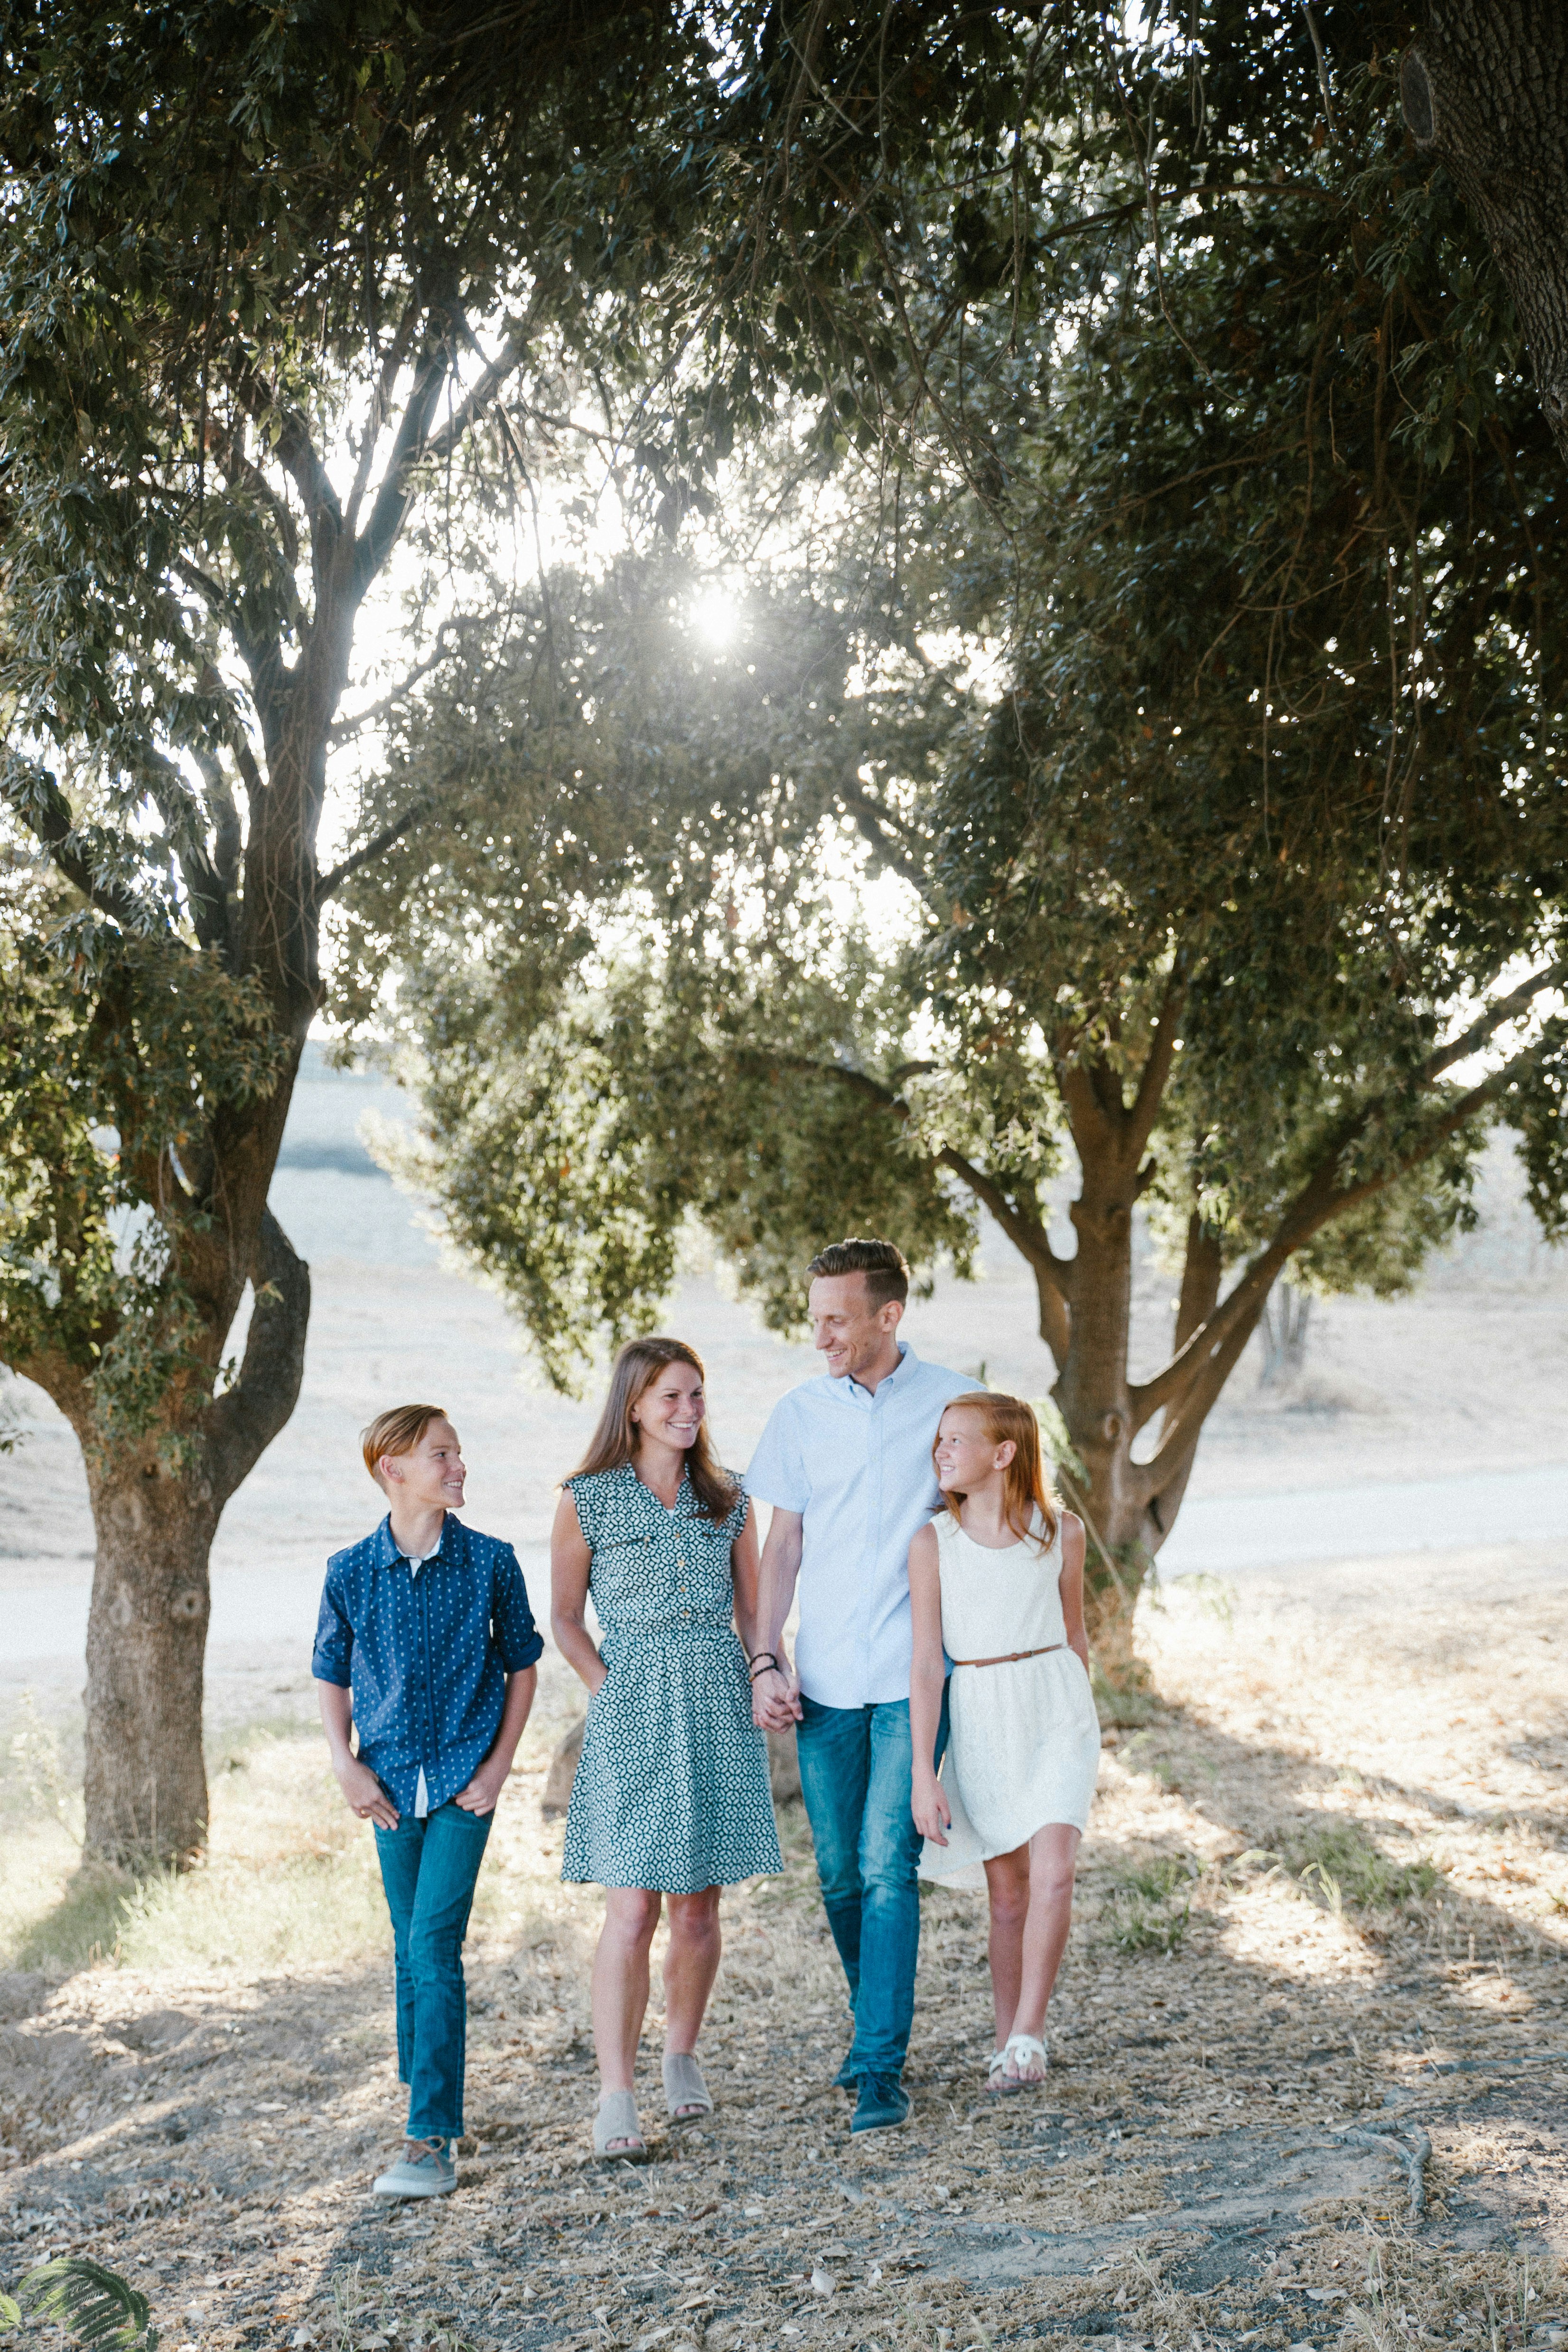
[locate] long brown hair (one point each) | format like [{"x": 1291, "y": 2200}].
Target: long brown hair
[
  {"x": 1023, "y": 1488},
  {"x": 633, "y": 1372}
]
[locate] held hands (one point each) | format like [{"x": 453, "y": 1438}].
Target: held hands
[
  {"x": 363, "y": 1794},
  {"x": 932, "y": 1810},
  {"x": 775, "y": 1700}
]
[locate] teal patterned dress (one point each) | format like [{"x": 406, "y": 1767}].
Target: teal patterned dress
[{"x": 672, "y": 1788}]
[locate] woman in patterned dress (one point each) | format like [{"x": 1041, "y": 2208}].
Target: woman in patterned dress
[{"x": 671, "y": 1799}]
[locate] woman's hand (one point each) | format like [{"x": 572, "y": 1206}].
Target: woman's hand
[
  {"x": 1069, "y": 1583},
  {"x": 932, "y": 1813},
  {"x": 775, "y": 1700}
]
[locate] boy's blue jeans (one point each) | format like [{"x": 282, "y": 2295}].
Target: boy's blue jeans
[
  {"x": 856, "y": 1778},
  {"x": 429, "y": 1869}
]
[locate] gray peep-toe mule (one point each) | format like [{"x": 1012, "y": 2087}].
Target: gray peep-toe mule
[
  {"x": 684, "y": 2087},
  {"x": 617, "y": 2119}
]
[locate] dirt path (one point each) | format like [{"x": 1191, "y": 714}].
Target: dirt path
[{"x": 1323, "y": 1895}]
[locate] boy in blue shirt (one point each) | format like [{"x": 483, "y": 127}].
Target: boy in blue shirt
[{"x": 427, "y": 1643}]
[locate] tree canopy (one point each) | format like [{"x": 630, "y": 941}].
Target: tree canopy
[
  {"x": 306, "y": 310},
  {"x": 1239, "y": 881}
]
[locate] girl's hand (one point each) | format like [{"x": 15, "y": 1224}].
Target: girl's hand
[{"x": 932, "y": 1810}]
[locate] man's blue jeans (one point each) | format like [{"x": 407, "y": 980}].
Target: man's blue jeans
[
  {"x": 856, "y": 1779},
  {"x": 429, "y": 1869}
]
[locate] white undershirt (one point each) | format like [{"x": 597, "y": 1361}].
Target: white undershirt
[{"x": 422, "y": 1793}]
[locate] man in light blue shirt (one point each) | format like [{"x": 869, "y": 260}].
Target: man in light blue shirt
[{"x": 846, "y": 1461}]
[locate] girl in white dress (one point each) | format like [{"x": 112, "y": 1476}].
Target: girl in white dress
[{"x": 997, "y": 1581}]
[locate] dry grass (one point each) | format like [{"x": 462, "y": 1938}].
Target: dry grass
[{"x": 1360, "y": 1826}]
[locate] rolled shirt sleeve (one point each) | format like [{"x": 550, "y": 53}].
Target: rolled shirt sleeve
[
  {"x": 777, "y": 1473},
  {"x": 519, "y": 1643},
  {"x": 331, "y": 1661}
]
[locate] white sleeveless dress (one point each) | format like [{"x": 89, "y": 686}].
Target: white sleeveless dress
[{"x": 1024, "y": 1748}]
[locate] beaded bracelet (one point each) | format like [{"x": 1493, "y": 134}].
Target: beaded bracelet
[{"x": 766, "y": 1661}]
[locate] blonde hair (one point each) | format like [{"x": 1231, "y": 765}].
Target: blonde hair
[
  {"x": 396, "y": 1430},
  {"x": 615, "y": 1440},
  {"x": 1024, "y": 1489}
]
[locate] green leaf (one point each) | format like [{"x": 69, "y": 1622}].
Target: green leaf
[{"x": 97, "y": 2305}]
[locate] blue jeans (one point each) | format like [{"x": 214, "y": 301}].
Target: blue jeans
[
  {"x": 429, "y": 1869},
  {"x": 856, "y": 1779}
]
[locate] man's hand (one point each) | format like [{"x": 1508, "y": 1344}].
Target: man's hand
[
  {"x": 483, "y": 1789},
  {"x": 931, "y": 1808},
  {"x": 775, "y": 1700},
  {"x": 363, "y": 1794}
]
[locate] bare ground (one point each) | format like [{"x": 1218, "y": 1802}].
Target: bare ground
[{"x": 1324, "y": 1894}]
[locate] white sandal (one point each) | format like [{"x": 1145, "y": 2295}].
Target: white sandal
[
  {"x": 1024, "y": 2049},
  {"x": 995, "y": 2066},
  {"x": 684, "y": 2087},
  {"x": 617, "y": 2120}
]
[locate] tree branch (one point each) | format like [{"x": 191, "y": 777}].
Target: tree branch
[
  {"x": 412, "y": 446},
  {"x": 1494, "y": 1018},
  {"x": 1318, "y": 1201},
  {"x": 1053, "y": 1275},
  {"x": 1156, "y": 1070},
  {"x": 45, "y": 811},
  {"x": 372, "y": 848},
  {"x": 872, "y": 823},
  {"x": 1205, "y": 1364},
  {"x": 242, "y": 1424}
]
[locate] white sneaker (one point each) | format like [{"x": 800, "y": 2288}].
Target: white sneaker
[{"x": 425, "y": 2169}]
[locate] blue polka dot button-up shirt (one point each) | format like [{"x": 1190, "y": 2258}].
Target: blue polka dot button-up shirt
[{"x": 426, "y": 1653}]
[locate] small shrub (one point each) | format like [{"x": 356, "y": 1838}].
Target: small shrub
[
  {"x": 1339, "y": 1864},
  {"x": 1145, "y": 1913}
]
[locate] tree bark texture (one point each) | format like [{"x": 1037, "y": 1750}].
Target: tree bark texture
[
  {"x": 145, "y": 1788},
  {"x": 1485, "y": 90}
]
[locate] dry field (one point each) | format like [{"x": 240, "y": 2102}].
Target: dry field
[{"x": 1324, "y": 1903}]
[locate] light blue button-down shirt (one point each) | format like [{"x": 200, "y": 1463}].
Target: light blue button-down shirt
[{"x": 856, "y": 1465}]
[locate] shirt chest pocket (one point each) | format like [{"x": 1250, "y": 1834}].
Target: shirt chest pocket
[{"x": 628, "y": 1566}]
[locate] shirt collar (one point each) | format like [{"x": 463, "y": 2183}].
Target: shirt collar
[
  {"x": 851, "y": 1388},
  {"x": 682, "y": 1493},
  {"x": 385, "y": 1553}
]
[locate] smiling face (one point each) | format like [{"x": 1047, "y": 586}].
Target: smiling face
[
  {"x": 671, "y": 1407},
  {"x": 432, "y": 1476},
  {"x": 964, "y": 1455},
  {"x": 846, "y": 1325}
]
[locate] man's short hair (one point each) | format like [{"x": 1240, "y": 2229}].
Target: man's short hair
[
  {"x": 883, "y": 1264},
  {"x": 397, "y": 1431}
]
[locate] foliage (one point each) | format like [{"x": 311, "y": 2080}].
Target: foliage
[
  {"x": 96, "y": 2306},
  {"x": 1145, "y": 1916},
  {"x": 268, "y": 280},
  {"x": 1337, "y": 1863},
  {"x": 565, "y": 1165},
  {"x": 111, "y": 1062}
]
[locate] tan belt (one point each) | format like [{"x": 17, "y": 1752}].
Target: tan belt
[{"x": 1012, "y": 1657}]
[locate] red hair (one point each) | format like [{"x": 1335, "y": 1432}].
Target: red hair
[{"x": 1023, "y": 1488}]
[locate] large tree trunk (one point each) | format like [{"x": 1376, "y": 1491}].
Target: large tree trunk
[
  {"x": 146, "y": 1792},
  {"x": 146, "y": 1785},
  {"x": 1128, "y": 1507},
  {"x": 1485, "y": 89},
  {"x": 1093, "y": 1394}
]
